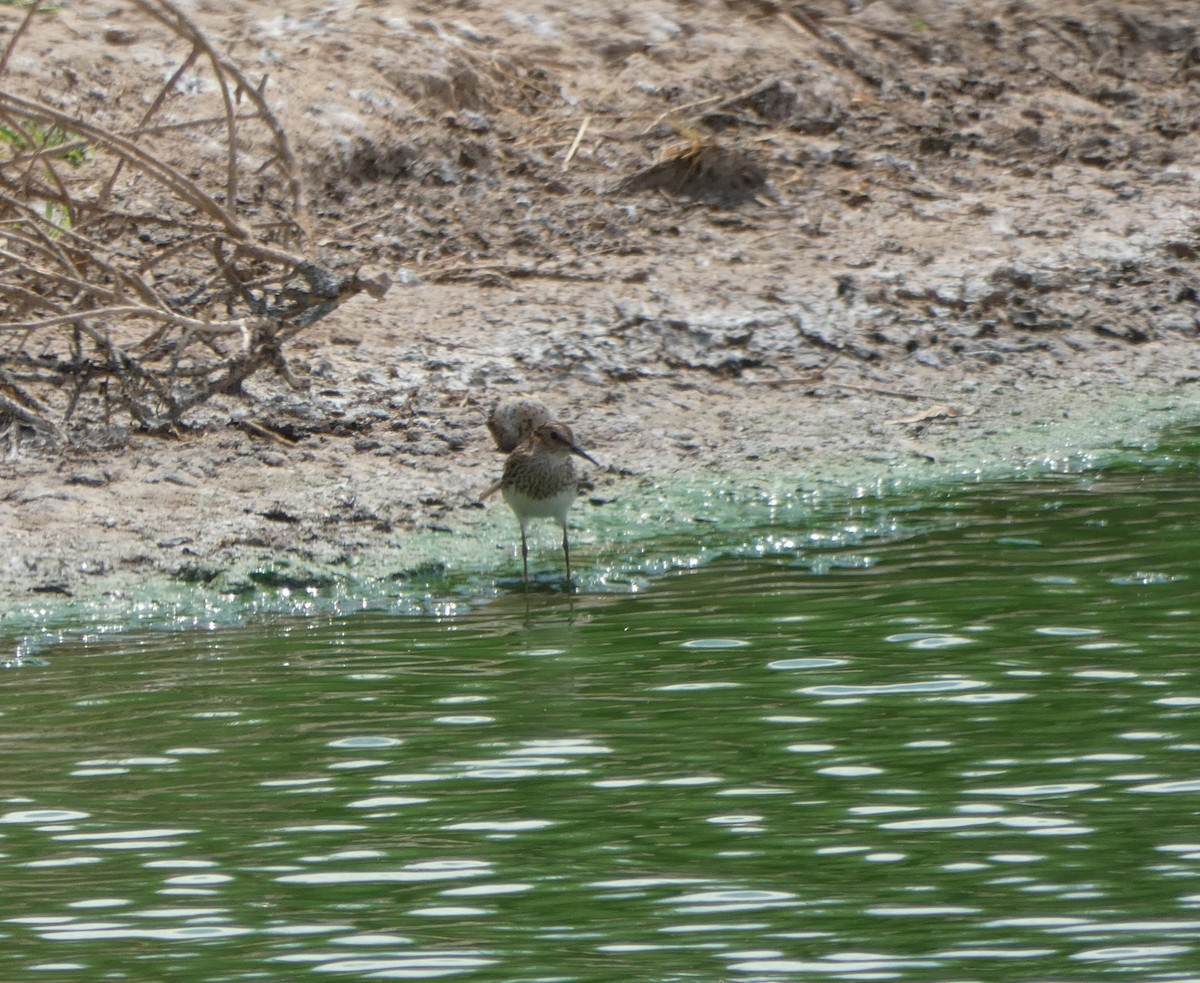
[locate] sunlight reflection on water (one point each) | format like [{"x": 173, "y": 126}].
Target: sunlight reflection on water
[{"x": 974, "y": 752}]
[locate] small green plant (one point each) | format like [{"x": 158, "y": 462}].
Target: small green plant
[
  {"x": 30, "y": 136},
  {"x": 58, "y": 217}
]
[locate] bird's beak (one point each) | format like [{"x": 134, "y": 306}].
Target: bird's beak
[{"x": 576, "y": 449}]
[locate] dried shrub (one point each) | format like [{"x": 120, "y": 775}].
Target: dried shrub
[{"x": 130, "y": 289}]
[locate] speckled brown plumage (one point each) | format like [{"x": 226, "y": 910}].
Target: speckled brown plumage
[
  {"x": 513, "y": 420},
  {"x": 537, "y": 473},
  {"x": 539, "y": 481}
]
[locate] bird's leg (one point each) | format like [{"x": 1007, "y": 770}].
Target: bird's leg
[
  {"x": 525, "y": 555},
  {"x": 567, "y": 552}
]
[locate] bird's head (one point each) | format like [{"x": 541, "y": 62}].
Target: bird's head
[{"x": 557, "y": 436}]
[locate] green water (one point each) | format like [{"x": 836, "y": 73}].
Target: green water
[{"x": 957, "y": 739}]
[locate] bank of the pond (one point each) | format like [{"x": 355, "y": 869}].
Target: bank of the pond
[
  {"x": 183, "y": 563},
  {"x": 960, "y": 256}
]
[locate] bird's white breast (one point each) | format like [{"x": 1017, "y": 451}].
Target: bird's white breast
[{"x": 552, "y": 507}]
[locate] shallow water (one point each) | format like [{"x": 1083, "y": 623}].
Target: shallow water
[{"x": 947, "y": 740}]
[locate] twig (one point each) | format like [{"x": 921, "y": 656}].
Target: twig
[
  {"x": 35, "y": 420},
  {"x": 801, "y": 22},
  {"x": 181, "y": 24},
  {"x": 25, "y": 395},
  {"x": 148, "y": 115},
  {"x": 17, "y": 34},
  {"x": 184, "y": 188},
  {"x": 583, "y": 127},
  {"x": 155, "y": 314},
  {"x": 265, "y": 432}
]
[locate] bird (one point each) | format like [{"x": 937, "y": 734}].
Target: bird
[{"x": 539, "y": 482}]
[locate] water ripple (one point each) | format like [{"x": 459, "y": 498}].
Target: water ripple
[
  {"x": 1031, "y": 791},
  {"x": 116, "y": 930},
  {"x": 850, "y": 965},
  {"x": 885, "y": 689},
  {"x": 42, "y": 816},
  {"x": 1188, "y": 785},
  {"x": 431, "y": 871}
]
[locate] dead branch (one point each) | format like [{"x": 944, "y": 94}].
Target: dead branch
[{"x": 123, "y": 277}]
